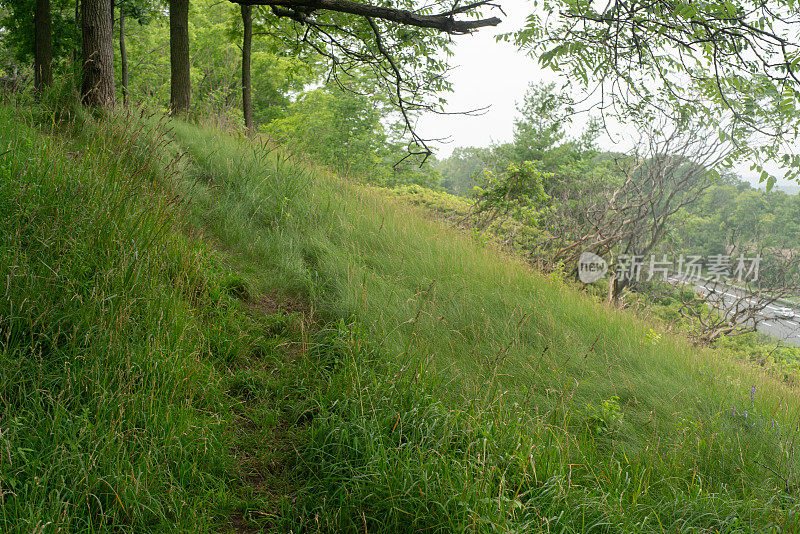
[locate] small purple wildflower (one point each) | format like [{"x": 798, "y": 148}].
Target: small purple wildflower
[
  {"x": 752, "y": 394},
  {"x": 734, "y": 410}
]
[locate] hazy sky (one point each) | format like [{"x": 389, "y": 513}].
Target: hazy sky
[
  {"x": 491, "y": 73},
  {"x": 486, "y": 73}
]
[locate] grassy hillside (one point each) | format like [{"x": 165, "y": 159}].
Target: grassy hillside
[{"x": 233, "y": 340}]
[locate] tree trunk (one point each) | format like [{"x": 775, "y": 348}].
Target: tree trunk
[
  {"x": 247, "y": 44},
  {"x": 97, "y": 89},
  {"x": 615, "y": 288},
  {"x": 123, "y": 56},
  {"x": 612, "y": 290},
  {"x": 43, "y": 45},
  {"x": 179, "y": 55},
  {"x": 76, "y": 50}
]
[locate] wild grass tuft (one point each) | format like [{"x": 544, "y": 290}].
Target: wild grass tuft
[{"x": 113, "y": 328}]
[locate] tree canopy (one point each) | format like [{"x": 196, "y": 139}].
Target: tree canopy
[{"x": 731, "y": 63}]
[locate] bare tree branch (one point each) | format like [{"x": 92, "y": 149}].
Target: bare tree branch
[{"x": 445, "y": 22}]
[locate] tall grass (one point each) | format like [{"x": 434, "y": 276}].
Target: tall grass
[
  {"x": 113, "y": 329},
  {"x": 435, "y": 384},
  {"x": 472, "y": 393}
]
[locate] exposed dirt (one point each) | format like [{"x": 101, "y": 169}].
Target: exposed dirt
[
  {"x": 273, "y": 304},
  {"x": 265, "y": 475},
  {"x": 266, "y": 453}
]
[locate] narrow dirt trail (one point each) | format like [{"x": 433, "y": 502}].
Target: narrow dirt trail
[{"x": 267, "y": 432}]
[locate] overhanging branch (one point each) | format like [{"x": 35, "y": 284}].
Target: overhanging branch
[{"x": 444, "y": 22}]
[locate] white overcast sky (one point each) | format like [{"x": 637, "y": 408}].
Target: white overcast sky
[
  {"x": 496, "y": 74},
  {"x": 486, "y": 73}
]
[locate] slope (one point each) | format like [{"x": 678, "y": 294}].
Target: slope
[
  {"x": 539, "y": 408},
  {"x": 429, "y": 383}
]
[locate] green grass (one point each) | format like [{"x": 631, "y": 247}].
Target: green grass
[
  {"x": 509, "y": 358},
  {"x": 432, "y": 384},
  {"x": 116, "y": 333}
]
